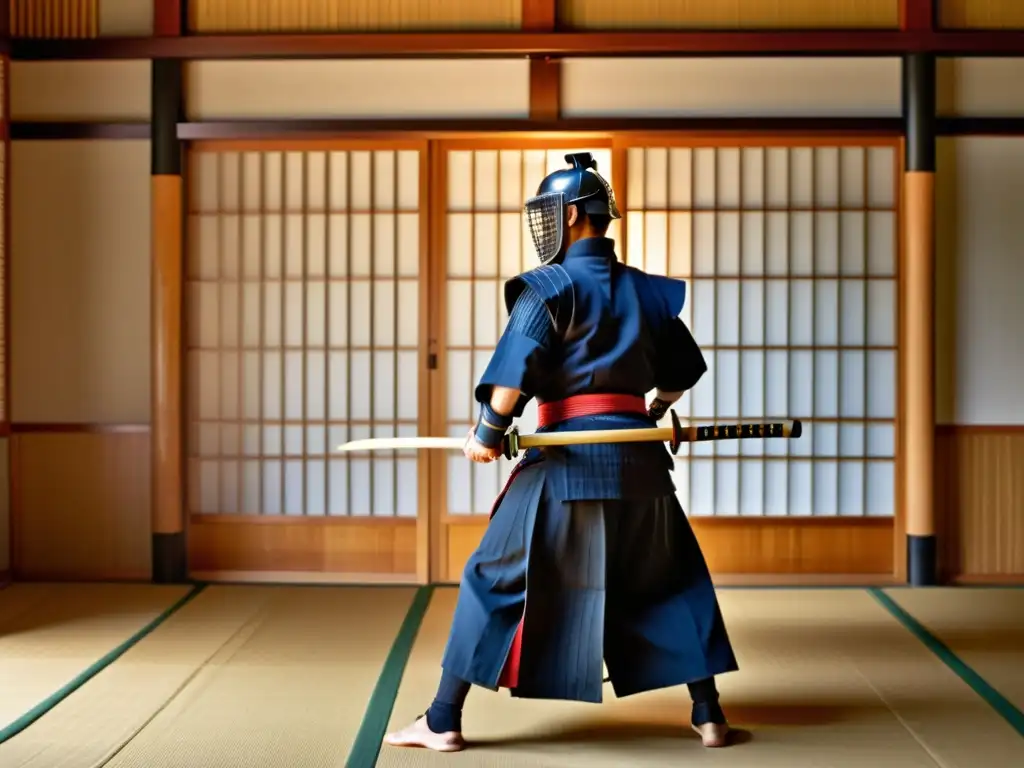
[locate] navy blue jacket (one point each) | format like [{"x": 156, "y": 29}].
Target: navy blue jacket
[{"x": 593, "y": 325}]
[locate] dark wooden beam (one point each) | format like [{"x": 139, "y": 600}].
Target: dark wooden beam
[
  {"x": 919, "y": 15},
  {"x": 42, "y": 131},
  {"x": 262, "y": 129},
  {"x": 979, "y": 126},
  {"x": 539, "y": 44}
]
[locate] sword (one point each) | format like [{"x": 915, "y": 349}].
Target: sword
[{"x": 675, "y": 436}]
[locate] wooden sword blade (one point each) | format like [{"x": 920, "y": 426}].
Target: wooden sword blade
[{"x": 403, "y": 444}]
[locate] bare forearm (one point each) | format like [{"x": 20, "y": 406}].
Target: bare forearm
[{"x": 504, "y": 400}]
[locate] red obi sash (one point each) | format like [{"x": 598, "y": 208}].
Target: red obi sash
[
  {"x": 547, "y": 415},
  {"x": 588, "y": 405}
]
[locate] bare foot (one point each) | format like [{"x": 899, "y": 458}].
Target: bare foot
[
  {"x": 419, "y": 735},
  {"x": 713, "y": 734}
]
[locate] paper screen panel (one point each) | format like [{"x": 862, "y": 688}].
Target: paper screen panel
[
  {"x": 791, "y": 262},
  {"x": 303, "y": 314},
  {"x": 487, "y": 242}
]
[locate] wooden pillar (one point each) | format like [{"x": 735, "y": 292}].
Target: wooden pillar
[
  {"x": 540, "y": 15},
  {"x": 5, "y": 270},
  {"x": 918, "y": 342},
  {"x": 170, "y": 561},
  {"x": 917, "y": 15},
  {"x": 545, "y": 72}
]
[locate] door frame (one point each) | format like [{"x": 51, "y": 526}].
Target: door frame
[{"x": 281, "y": 549}]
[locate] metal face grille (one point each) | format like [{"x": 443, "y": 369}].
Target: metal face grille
[
  {"x": 487, "y": 242},
  {"x": 544, "y": 218},
  {"x": 790, "y": 254},
  {"x": 303, "y": 326}
]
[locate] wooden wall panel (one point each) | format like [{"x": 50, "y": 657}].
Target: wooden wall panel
[
  {"x": 80, "y": 505},
  {"x": 61, "y": 19},
  {"x": 756, "y": 550},
  {"x": 212, "y": 16},
  {"x": 386, "y": 89},
  {"x": 80, "y": 287},
  {"x": 981, "y": 14},
  {"x": 980, "y": 360},
  {"x": 81, "y": 18},
  {"x": 80, "y": 90},
  {"x": 304, "y": 548},
  {"x": 5, "y": 304},
  {"x": 980, "y": 87},
  {"x": 731, "y": 87},
  {"x": 980, "y": 493},
  {"x": 730, "y": 14},
  {"x": 126, "y": 18},
  {"x": 946, "y": 226},
  {"x": 5, "y": 509}
]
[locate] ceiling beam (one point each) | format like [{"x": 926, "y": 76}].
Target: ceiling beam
[{"x": 537, "y": 44}]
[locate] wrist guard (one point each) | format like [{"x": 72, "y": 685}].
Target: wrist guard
[
  {"x": 657, "y": 409},
  {"x": 491, "y": 427}
]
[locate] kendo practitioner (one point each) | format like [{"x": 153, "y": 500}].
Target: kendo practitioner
[{"x": 588, "y": 556}]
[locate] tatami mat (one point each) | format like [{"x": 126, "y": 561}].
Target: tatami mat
[
  {"x": 828, "y": 678},
  {"x": 51, "y": 633},
  {"x": 97, "y": 720},
  {"x": 983, "y": 627},
  {"x": 287, "y": 690}
]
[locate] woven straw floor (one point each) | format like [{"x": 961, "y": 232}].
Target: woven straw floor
[{"x": 262, "y": 676}]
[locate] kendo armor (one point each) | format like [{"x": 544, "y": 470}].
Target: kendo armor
[{"x": 579, "y": 185}]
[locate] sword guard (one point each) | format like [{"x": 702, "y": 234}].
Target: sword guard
[
  {"x": 510, "y": 445},
  {"x": 677, "y": 434}
]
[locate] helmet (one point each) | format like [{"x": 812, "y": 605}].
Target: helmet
[{"x": 579, "y": 185}]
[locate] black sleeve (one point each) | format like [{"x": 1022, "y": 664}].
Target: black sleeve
[{"x": 680, "y": 363}]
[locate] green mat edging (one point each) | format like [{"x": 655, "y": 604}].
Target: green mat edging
[
  {"x": 367, "y": 744},
  {"x": 51, "y": 701},
  {"x": 1003, "y": 706}
]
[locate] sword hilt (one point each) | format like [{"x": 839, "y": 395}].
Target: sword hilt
[{"x": 680, "y": 434}]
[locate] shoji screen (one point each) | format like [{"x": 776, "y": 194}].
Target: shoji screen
[
  {"x": 303, "y": 330},
  {"x": 790, "y": 253}
]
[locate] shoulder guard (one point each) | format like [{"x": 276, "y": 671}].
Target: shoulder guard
[
  {"x": 553, "y": 285},
  {"x": 665, "y": 295}
]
